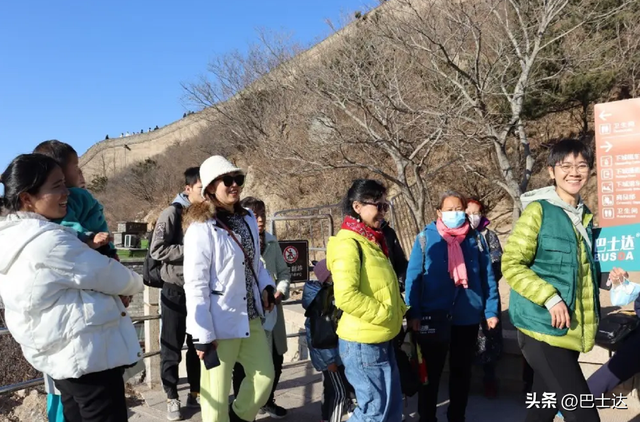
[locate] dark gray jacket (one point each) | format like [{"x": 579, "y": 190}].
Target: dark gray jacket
[{"x": 166, "y": 244}]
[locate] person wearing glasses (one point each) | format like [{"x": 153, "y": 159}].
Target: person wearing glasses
[
  {"x": 450, "y": 289},
  {"x": 367, "y": 292},
  {"x": 227, "y": 292},
  {"x": 554, "y": 302}
]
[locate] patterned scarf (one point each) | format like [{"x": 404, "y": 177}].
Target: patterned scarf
[{"x": 373, "y": 235}]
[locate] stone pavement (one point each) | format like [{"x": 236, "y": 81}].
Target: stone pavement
[{"x": 300, "y": 390}]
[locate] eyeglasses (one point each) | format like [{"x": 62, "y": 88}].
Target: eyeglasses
[
  {"x": 382, "y": 206},
  {"x": 580, "y": 168},
  {"x": 228, "y": 180}
]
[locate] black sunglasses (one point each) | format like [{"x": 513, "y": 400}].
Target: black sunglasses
[
  {"x": 228, "y": 180},
  {"x": 382, "y": 206}
]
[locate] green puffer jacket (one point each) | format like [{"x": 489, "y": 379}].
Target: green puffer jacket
[{"x": 526, "y": 261}]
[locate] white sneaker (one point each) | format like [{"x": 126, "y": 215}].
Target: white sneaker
[{"x": 173, "y": 410}]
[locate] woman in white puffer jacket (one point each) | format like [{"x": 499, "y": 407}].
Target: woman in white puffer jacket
[{"x": 61, "y": 297}]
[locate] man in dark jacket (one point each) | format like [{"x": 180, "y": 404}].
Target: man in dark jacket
[{"x": 166, "y": 247}]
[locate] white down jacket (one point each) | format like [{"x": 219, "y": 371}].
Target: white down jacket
[
  {"x": 214, "y": 277},
  {"x": 61, "y": 299}
]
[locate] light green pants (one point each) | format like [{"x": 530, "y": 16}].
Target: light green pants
[{"x": 215, "y": 384}]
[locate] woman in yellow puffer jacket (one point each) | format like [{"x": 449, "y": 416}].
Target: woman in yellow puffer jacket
[{"x": 367, "y": 291}]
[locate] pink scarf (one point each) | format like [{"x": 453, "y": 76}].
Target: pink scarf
[{"x": 454, "y": 237}]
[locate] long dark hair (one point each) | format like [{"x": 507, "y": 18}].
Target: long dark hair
[
  {"x": 26, "y": 173},
  {"x": 360, "y": 191}
]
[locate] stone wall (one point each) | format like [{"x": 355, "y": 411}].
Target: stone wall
[{"x": 109, "y": 157}]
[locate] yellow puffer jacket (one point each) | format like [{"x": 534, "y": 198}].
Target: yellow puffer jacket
[{"x": 367, "y": 292}]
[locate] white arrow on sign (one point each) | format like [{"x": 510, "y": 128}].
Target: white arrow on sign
[
  {"x": 604, "y": 115},
  {"x": 607, "y": 145}
]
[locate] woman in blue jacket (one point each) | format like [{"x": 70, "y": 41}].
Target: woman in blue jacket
[{"x": 450, "y": 288}]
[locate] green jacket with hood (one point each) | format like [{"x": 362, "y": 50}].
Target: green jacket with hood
[{"x": 548, "y": 259}]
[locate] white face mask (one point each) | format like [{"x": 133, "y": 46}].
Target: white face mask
[{"x": 475, "y": 220}]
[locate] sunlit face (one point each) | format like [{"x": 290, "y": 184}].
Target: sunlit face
[
  {"x": 570, "y": 175},
  {"x": 194, "y": 193},
  {"x": 261, "y": 217},
  {"x": 451, "y": 203},
  {"x": 473, "y": 209},
  {"x": 51, "y": 200},
  {"x": 226, "y": 195},
  {"x": 73, "y": 173},
  {"x": 372, "y": 212}
]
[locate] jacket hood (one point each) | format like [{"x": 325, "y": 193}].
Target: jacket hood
[
  {"x": 311, "y": 289},
  {"x": 550, "y": 195},
  {"x": 198, "y": 213},
  {"x": 16, "y": 232},
  {"x": 182, "y": 199}
]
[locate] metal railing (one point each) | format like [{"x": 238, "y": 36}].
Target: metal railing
[{"x": 12, "y": 388}]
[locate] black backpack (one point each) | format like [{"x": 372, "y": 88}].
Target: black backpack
[
  {"x": 324, "y": 315},
  {"x": 151, "y": 267},
  {"x": 323, "y": 319}
]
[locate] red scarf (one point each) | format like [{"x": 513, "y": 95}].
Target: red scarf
[{"x": 373, "y": 235}]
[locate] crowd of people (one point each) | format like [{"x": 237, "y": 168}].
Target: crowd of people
[
  {"x": 223, "y": 280},
  {"x": 125, "y": 134}
]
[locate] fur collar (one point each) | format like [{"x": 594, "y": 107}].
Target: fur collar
[{"x": 198, "y": 213}]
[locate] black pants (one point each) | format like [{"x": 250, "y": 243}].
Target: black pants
[
  {"x": 238, "y": 374},
  {"x": 174, "y": 330},
  {"x": 624, "y": 364},
  {"x": 335, "y": 393},
  {"x": 556, "y": 371},
  {"x": 462, "y": 354},
  {"x": 527, "y": 375},
  {"x": 96, "y": 397}
]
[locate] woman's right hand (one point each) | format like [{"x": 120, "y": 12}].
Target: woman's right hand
[
  {"x": 560, "y": 316},
  {"x": 414, "y": 325},
  {"x": 201, "y": 353}
]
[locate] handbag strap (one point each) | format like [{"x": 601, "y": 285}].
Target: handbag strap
[{"x": 246, "y": 257}]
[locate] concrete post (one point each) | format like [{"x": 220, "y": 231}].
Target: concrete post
[{"x": 152, "y": 336}]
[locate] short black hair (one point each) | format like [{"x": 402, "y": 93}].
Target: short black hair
[
  {"x": 360, "y": 191},
  {"x": 59, "y": 151},
  {"x": 254, "y": 204},
  {"x": 567, "y": 147},
  {"x": 191, "y": 176},
  {"x": 452, "y": 194},
  {"x": 26, "y": 173}
]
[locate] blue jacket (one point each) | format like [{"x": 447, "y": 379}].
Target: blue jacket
[
  {"x": 429, "y": 286},
  {"x": 85, "y": 215},
  {"x": 320, "y": 358}
]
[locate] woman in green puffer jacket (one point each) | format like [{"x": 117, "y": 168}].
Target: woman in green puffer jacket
[{"x": 548, "y": 262}]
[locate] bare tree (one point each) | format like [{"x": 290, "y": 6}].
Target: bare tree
[
  {"x": 352, "y": 105},
  {"x": 490, "y": 55}
]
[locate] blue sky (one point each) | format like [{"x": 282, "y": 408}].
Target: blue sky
[{"x": 77, "y": 70}]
